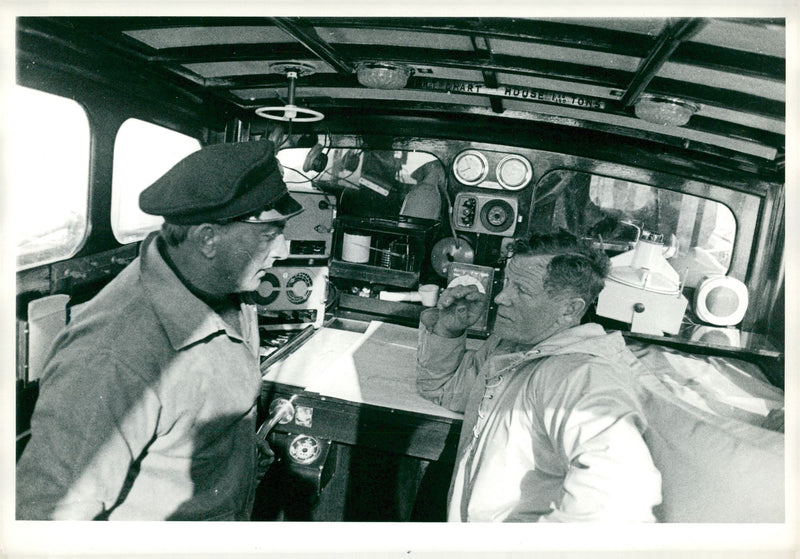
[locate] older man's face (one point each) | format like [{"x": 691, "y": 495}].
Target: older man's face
[
  {"x": 526, "y": 313},
  {"x": 248, "y": 250}
]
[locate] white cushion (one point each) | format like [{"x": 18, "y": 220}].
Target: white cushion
[{"x": 718, "y": 464}]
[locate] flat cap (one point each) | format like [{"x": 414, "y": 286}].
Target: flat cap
[{"x": 222, "y": 182}]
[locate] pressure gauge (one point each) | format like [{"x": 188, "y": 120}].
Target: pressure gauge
[
  {"x": 470, "y": 167},
  {"x": 514, "y": 172},
  {"x": 304, "y": 449}
]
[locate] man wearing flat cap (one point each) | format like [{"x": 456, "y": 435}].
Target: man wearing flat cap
[{"x": 147, "y": 406}]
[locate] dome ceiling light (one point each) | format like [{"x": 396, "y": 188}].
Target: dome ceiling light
[
  {"x": 383, "y": 75},
  {"x": 665, "y": 110}
]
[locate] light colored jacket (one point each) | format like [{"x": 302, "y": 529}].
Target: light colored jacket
[
  {"x": 147, "y": 408},
  {"x": 551, "y": 434}
]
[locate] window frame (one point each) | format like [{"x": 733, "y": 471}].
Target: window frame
[
  {"x": 121, "y": 222},
  {"x": 43, "y": 257}
]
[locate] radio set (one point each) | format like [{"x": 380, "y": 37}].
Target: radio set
[
  {"x": 309, "y": 233},
  {"x": 290, "y": 288},
  {"x": 294, "y": 296},
  {"x": 485, "y": 213}
]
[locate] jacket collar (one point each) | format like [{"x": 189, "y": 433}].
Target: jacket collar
[
  {"x": 589, "y": 338},
  {"x": 185, "y": 318}
]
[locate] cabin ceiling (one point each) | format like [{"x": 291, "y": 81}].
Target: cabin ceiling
[{"x": 576, "y": 73}]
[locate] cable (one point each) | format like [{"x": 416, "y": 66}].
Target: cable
[
  {"x": 334, "y": 297},
  {"x": 308, "y": 179},
  {"x": 328, "y": 139}
]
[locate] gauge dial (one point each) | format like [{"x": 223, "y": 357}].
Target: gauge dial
[
  {"x": 304, "y": 449},
  {"x": 514, "y": 172},
  {"x": 497, "y": 216},
  {"x": 470, "y": 167}
]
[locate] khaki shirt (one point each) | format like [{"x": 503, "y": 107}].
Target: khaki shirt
[{"x": 146, "y": 408}]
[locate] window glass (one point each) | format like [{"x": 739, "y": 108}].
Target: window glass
[
  {"x": 49, "y": 176},
  {"x": 142, "y": 153},
  {"x": 698, "y": 234}
]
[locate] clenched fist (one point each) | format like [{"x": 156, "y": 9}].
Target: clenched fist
[{"x": 459, "y": 307}]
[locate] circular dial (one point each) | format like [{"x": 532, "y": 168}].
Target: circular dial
[
  {"x": 470, "y": 167},
  {"x": 298, "y": 288},
  {"x": 497, "y": 216},
  {"x": 268, "y": 290},
  {"x": 304, "y": 449},
  {"x": 514, "y": 172}
]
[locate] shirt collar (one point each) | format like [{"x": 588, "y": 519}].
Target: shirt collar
[{"x": 185, "y": 318}]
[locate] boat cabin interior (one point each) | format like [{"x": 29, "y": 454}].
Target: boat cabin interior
[{"x": 420, "y": 148}]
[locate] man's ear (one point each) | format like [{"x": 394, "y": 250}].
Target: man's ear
[
  {"x": 205, "y": 237},
  {"x": 573, "y": 309}
]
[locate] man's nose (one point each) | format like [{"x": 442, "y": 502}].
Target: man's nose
[
  {"x": 502, "y": 297},
  {"x": 280, "y": 248}
]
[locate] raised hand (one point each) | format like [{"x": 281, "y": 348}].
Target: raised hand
[{"x": 459, "y": 307}]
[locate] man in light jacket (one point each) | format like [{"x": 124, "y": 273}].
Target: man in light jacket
[{"x": 552, "y": 426}]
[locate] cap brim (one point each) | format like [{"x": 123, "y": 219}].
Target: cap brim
[{"x": 282, "y": 209}]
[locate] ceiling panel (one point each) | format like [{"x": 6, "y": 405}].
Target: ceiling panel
[
  {"x": 732, "y": 34},
  {"x": 733, "y": 69},
  {"x": 564, "y": 54},
  {"x": 387, "y": 37},
  {"x": 725, "y": 80},
  {"x": 176, "y": 37}
]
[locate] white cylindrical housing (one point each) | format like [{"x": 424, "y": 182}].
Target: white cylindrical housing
[{"x": 355, "y": 248}]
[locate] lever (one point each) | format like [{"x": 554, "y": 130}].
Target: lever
[{"x": 280, "y": 411}]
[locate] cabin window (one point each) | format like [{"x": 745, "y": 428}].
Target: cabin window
[
  {"x": 698, "y": 234},
  {"x": 49, "y": 173},
  {"x": 142, "y": 153}
]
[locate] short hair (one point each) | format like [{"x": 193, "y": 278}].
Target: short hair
[
  {"x": 174, "y": 234},
  {"x": 577, "y": 268}
]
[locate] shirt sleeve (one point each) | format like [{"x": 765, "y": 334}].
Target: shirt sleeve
[
  {"x": 92, "y": 421},
  {"x": 445, "y": 369},
  {"x": 595, "y": 423}
]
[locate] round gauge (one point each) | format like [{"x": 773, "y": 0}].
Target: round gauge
[
  {"x": 304, "y": 449},
  {"x": 497, "y": 216},
  {"x": 470, "y": 167},
  {"x": 514, "y": 172}
]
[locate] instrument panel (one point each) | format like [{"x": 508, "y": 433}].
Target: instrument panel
[
  {"x": 494, "y": 214},
  {"x": 493, "y": 170},
  {"x": 293, "y": 289}
]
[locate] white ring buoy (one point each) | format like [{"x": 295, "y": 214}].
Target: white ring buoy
[{"x": 721, "y": 300}]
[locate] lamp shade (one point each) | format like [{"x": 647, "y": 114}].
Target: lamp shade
[
  {"x": 383, "y": 76},
  {"x": 665, "y": 110}
]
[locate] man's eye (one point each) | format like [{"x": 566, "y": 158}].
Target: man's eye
[{"x": 511, "y": 284}]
